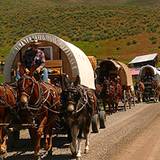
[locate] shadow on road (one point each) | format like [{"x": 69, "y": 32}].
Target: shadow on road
[{"x": 23, "y": 150}]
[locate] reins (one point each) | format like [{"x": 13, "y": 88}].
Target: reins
[{"x": 42, "y": 99}]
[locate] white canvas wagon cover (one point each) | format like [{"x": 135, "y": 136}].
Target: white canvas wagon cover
[
  {"x": 148, "y": 68},
  {"x": 125, "y": 75},
  {"x": 119, "y": 67},
  {"x": 80, "y": 64}
]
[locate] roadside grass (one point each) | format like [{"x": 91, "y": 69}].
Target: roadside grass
[
  {"x": 1, "y": 78},
  {"x": 123, "y": 49},
  {"x": 113, "y": 28}
]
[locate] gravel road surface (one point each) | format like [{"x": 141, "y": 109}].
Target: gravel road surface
[{"x": 130, "y": 135}]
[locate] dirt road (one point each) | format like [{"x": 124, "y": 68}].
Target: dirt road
[
  {"x": 133, "y": 135},
  {"x": 130, "y": 135}
]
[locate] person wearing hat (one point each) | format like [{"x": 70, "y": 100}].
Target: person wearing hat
[{"x": 35, "y": 57}]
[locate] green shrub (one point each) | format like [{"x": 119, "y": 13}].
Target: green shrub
[
  {"x": 118, "y": 48},
  {"x": 154, "y": 42},
  {"x": 1, "y": 78},
  {"x": 128, "y": 43},
  {"x": 134, "y": 42}
]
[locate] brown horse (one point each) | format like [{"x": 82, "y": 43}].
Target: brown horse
[
  {"x": 40, "y": 106},
  {"x": 110, "y": 93},
  {"x": 80, "y": 105},
  {"x": 139, "y": 90},
  {"x": 156, "y": 87},
  {"x": 118, "y": 95},
  {"x": 128, "y": 96},
  {"x": 7, "y": 105}
]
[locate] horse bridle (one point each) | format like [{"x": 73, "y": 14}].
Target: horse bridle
[
  {"x": 28, "y": 95},
  {"x": 41, "y": 100},
  {"x": 81, "y": 101}
]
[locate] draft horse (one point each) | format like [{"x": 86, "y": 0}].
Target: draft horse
[
  {"x": 110, "y": 93},
  {"x": 156, "y": 88},
  {"x": 80, "y": 104},
  {"x": 40, "y": 106},
  {"x": 128, "y": 96},
  {"x": 7, "y": 108},
  {"x": 139, "y": 91}
]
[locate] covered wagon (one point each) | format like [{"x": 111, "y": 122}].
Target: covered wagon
[
  {"x": 111, "y": 70},
  {"x": 61, "y": 58},
  {"x": 114, "y": 68},
  {"x": 150, "y": 76},
  {"x": 93, "y": 61}
]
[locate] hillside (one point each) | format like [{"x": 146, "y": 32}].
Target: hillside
[{"x": 118, "y": 28}]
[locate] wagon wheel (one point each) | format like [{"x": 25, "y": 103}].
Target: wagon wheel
[
  {"x": 95, "y": 123},
  {"x": 102, "y": 119}
]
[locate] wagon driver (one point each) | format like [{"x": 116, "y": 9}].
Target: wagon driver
[{"x": 35, "y": 57}]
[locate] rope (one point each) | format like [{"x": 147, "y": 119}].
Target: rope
[{"x": 85, "y": 100}]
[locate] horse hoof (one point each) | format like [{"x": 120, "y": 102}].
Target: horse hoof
[
  {"x": 3, "y": 156},
  {"x": 74, "y": 155},
  {"x": 73, "y": 151},
  {"x": 3, "y": 152},
  {"x": 86, "y": 151},
  {"x": 37, "y": 157},
  {"x": 78, "y": 158},
  {"x": 50, "y": 152}
]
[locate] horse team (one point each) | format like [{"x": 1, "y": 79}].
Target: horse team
[
  {"x": 45, "y": 108},
  {"x": 111, "y": 92},
  {"x": 146, "y": 93}
]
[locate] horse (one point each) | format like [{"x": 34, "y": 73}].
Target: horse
[
  {"x": 80, "y": 102},
  {"x": 128, "y": 96},
  {"x": 7, "y": 110},
  {"x": 156, "y": 91},
  {"x": 118, "y": 95},
  {"x": 40, "y": 107},
  {"x": 110, "y": 93},
  {"x": 139, "y": 91}
]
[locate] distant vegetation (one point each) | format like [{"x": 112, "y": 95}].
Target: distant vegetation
[
  {"x": 1, "y": 78},
  {"x": 118, "y": 28}
]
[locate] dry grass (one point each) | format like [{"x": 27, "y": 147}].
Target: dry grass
[
  {"x": 118, "y": 28},
  {"x": 139, "y": 44}
]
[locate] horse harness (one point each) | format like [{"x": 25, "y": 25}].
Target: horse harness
[
  {"x": 82, "y": 102},
  {"x": 42, "y": 98},
  {"x": 3, "y": 99}
]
